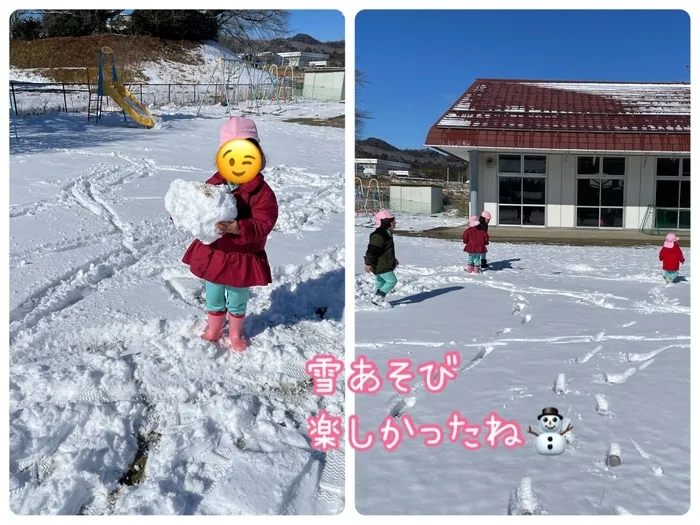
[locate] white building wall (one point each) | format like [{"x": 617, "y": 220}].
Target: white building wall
[
  {"x": 415, "y": 199},
  {"x": 324, "y": 85},
  {"x": 633, "y": 189},
  {"x": 561, "y": 187},
  {"x": 647, "y": 189},
  {"x": 568, "y": 191},
  {"x": 487, "y": 189},
  {"x": 553, "y": 191}
]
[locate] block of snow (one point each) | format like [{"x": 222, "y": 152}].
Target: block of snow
[{"x": 196, "y": 207}]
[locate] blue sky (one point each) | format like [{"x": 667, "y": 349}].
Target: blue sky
[
  {"x": 321, "y": 24},
  {"x": 417, "y": 63}
]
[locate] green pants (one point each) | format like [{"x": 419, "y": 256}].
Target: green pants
[
  {"x": 384, "y": 282},
  {"x": 475, "y": 258},
  {"x": 670, "y": 276},
  {"x": 220, "y": 298}
]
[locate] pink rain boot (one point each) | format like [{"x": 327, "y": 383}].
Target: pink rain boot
[
  {"x": 235, "y": 332},
  {"x": 216, "y": 326},
  {"x": 469, "y": 268},
  {"x": 477, "y": 269}
]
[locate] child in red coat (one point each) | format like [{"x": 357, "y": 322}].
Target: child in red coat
[
  {"x": 237, "y": 260},
  {"x": 475, "y": 240},
  {"x": 672, "y": 257}
]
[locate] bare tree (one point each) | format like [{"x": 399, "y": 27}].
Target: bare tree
[
  {"x": 244, "y": 29},
  {"x": 68, "y": 22},
  {"x": 361, "y": 115}
]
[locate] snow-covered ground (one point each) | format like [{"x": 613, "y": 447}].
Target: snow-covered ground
[
  {"x": 417, "y": 222},
  {"x": 107, "y": 365},
  {"x": 591, "y": 331}
]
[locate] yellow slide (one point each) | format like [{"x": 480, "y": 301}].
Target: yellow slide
[{"x": 117, "y": 92}]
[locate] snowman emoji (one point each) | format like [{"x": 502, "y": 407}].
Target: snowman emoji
[{"x": 551, "y": 441}]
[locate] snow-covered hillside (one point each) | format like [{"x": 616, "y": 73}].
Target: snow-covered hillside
[
  {"x": 207, "y": 54},
  {"x": 116, "y": 404}
]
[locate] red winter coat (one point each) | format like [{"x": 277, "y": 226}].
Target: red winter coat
[
  {"x": 671, "y": 257},
  {"x": 239, "y": 260},
  {"x": 475, "y": 239}
]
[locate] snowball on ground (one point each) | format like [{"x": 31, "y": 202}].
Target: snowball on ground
[{"x": 196, "y": 207}]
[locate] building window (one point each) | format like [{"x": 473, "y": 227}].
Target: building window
[
  {"x": 600, "y": 192},
  {"x": 672, "y": 199},
  {"x": 522, "y": 181}
]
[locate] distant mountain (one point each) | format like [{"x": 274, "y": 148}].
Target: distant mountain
[
  {"x": 305, "y": 39},
  {"x": 424, "y": 160},
  {"x": 303, "y": 42}
]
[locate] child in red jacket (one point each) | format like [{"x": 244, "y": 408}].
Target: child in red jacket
[
  {"x": 237, "y": 260},
  {"x": 475, "y": 239},
  {"x": 672, "y": 257}
]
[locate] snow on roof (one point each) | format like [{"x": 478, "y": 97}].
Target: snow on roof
[
  {"x": 579, "y": 106},
  {"x": 552, "y": 115},
  {"x": 653, "y": 99}
]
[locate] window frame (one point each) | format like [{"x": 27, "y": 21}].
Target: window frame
[
  {"x": 522, "y": 175},
  {"x": 601, "y": 176},
  {"x": 680, "y": 178}
]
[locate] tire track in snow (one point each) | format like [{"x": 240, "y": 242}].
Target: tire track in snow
[
  {"x": 66, "y": 290},
  {"x": 44, "y": 250},
  {"x": 32, "y": 208},
  {"x": 73, "y": 286}
]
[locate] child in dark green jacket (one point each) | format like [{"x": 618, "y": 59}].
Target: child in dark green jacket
[{"x": 380, "y": 258}]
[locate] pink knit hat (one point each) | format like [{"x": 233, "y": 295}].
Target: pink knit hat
[
  {"x": 473, "y": 221},
  {"x": 238, "y": 128},
  {"x": 671, "y": 239},
  {"x": 381, "y": 215},
  {"x": 486, "y": 215},
  {"x": 241, "y": 128}
]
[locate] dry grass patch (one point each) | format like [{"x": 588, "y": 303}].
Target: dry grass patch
[
  {"x": 67, "y": 59},
  {"x": 333, "y": 122}
]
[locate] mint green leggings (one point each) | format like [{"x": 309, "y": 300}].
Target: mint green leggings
[
  {"x": 384, "y": 282},
  {"x": 475, "y": 258},
  {"x": 220, "y": 298}
]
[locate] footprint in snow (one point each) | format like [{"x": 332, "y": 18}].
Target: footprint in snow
[
  {"x": 585, "y": 358},
  {"x": 657, "y": 470}
]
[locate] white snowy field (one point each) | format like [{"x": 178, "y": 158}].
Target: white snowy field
[
  {"x": 602, "y": 317},
  {"x": 116, "y": 404}
]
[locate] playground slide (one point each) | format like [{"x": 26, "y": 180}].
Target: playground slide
[{"x": 128, "y": 103}]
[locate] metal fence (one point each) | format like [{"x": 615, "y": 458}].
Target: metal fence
[{"x": 34, "y": 98}]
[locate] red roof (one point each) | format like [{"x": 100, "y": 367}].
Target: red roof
[{"x": 600, "y": 116}]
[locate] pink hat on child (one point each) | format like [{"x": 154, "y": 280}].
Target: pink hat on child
[
  {"x": 241, "y": 128},
  {"x": 671, "y": 239},
  {"x": 473, "y": 221},
  {"x": 238, "y": 128},
  {"x": 486, "y": 215},
  {"x": 381, "y": 215}
]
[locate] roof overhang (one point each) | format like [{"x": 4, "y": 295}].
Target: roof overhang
[{"x": 641, "y": 143}]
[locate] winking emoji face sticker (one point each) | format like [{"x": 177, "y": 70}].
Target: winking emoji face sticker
[{"x": 239, "y": 161}]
